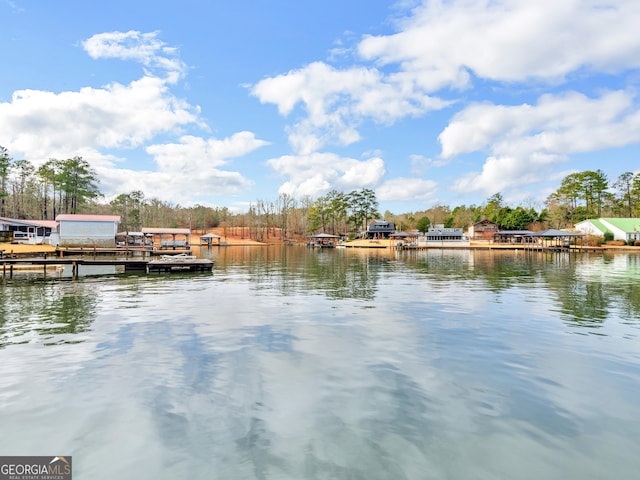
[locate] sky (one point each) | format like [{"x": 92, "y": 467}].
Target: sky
[{"x": 227, "y": 102}]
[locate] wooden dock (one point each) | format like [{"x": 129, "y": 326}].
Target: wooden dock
[
  {"x": 163, "y": 264},
  {"x": 120, "y": 251},
  {"x": 177, "y": 264}
]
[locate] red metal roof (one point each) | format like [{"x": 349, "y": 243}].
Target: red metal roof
[
  {"x": 36, "y": 223},
  {"x": 88, "y": 218}
]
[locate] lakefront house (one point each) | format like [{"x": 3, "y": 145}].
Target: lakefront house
[{"x": 627, "y": 229}]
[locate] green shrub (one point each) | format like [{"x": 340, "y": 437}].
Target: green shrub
[{"x": 608, "y": 236}]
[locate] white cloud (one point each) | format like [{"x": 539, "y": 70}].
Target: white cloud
[
  {"x": 175, "y": 186},
  {"x": 361, "y": 174},
  {"x": 116, "y": 116},
  {"x": 509, "y": 40},
  {"x": 196, "y": 154},
  {"x": 144, "y": 48},
  {"x": 316, "y": 173},
  {"x": 505, "y": 173},
  {"x": 188, "y": 170},
  {"x": 565, "y": 123},
  {"x": 527, "y": 141},
  {"x": 337, "y": 101},
  {"x": 407, "y": 189},
  {"x": 420, "y": 164}
]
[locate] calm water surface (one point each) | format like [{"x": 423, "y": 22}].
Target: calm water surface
[{"x": 333, "y": 364}]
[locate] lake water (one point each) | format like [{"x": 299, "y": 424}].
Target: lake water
[{"x": 331, "y": 364}]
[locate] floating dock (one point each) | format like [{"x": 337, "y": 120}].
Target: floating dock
[{"x": 179, "y": 264}]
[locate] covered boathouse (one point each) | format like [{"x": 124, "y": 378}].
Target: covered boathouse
[
  {"x": 86, "y": 230},
  {"x": 210, "y": 239},
  {"x": 169, "y": 238},
  {"x": 322, "y": 240},
  {"x": 551, "y": 238}
]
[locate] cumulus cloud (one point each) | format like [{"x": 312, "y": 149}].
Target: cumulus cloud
[
  {"x": 407, "y": 189},
  {"x": 508, "y": 40},
  {"x": 336, "y": 101},
  {"x": 179, "y": 163},
  {"x": 420, "y": 164},
  {"x": 196, "y": 154},
  {"x": 115, "y": 116},
  {"x": 526, "y": 141},
  {"x": 145, "y": 48},
  {"x": 317, "y": 173},
  {"x": 175, "y": 186},
  {"x": 568, "y": 122}
]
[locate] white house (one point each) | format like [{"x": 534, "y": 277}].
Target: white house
[
  {"x": 86, "y": 230},
  {"x": 627, "y": 229},
  {"x": 26, "y": 231}
]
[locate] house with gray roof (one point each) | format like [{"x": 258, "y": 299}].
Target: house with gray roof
[{"x": 380, "y": 229}]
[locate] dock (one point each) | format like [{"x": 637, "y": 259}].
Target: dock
[
  {"x": 163, "y": 264},
  {"x": 118, "y": 251},
  {"x": 179, "y": 263}
]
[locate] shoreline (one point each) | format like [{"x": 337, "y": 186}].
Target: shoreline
[{"x": 10, "y": 249}]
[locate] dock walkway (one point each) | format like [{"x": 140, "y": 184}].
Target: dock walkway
[{"x": 164, "y": 264}]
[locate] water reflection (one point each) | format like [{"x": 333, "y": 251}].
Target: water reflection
[
  {"x": 336, "y": 364},
  {"x": 56, "y": 311},
  {"x": 336, "y": 273},
  {"x": 587, "y": 289}
]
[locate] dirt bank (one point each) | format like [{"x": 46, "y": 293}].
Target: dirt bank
[{"x": 10, "y": 248}]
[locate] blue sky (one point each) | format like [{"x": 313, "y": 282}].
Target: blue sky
[{"x": 225, "y": 103}]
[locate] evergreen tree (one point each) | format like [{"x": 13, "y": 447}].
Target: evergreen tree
[
  {"x": 5, "y": 165},
  {"x": 78, "y": 182},
  {"x": 363, "y": 205}
]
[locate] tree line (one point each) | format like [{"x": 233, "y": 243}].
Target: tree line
[
  {"x": 71, "y": 186},
  {"x": 57, "y": 186}
]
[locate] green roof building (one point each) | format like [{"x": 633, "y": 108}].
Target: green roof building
[{"x": 627, "y": 229}]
